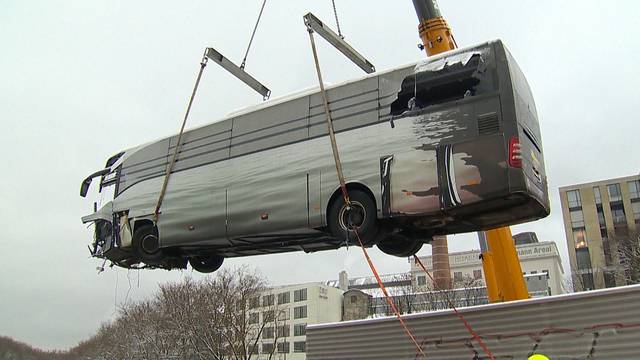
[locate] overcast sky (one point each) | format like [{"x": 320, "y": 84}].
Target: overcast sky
[{"x": 81, "y": 80}]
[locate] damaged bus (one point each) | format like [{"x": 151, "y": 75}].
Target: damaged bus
[{"x": 448, "y": 145}]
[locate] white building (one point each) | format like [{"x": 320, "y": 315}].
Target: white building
[
  {"x": 536, "y": 260},
  {"x": 296, "y": 307}
]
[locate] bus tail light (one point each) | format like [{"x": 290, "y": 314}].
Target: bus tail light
[{"x": 515, "y": 153}]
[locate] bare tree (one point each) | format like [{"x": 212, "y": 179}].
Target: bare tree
[
  {"x": 403, "y": 294},
  {"x": 207, "y": 319},
  {"x": 629, "y": 253}
]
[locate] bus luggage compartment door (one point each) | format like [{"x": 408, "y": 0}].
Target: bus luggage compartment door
[
  {"x": 472, "y": 171},
  {"x": 410, "y": 182}
]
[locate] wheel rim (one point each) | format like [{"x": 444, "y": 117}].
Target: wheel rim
[
  {"x": 149, "y": 244},
  {"x": 352, "y": 217}
]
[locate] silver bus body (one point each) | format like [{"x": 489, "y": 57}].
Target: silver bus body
[{"x": 448, "y": 145}]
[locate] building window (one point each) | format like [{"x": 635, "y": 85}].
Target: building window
[
  {"x": 580, "y": 238},
  {"x": 614, "y": 192},
  {"x": 545, "y": 272},
  {"x": 636, "y": 211},
  {"x": 606, "y": 249},
  {"x": 267, "y": 348},
  {"x": 573, "y": 198},
  {"x": 457, "y": 276},
  {"x": 422, "y": 280},
  {"x": 597, "y": 195},
  {"x": 283, "y": 347},
  {"x": 477, "y": 274},
  {"x": 583, "y": 260},
  {"x": 354, "y": 299},
  {"x": 577, "y": 218},
  {"x": 283, "y": 331},
  {"x": 534, "y": 272},
  {"x": 267, "y": 333},
  {"x": 603, "y": 233},
  {"x": 300, "y": 312},
  {"x": 268, "y": 316},
  {"x": 601, "y": 219},
  {"x": 254, "y": 302},
  {"x": 634, "y": 189},
  {"x": 254, "y": 318},
  {"x": 300, "y": 346},
  {"x": 609, "y": 279},
  {"x": 284, "y": 298},
  {"x": 299, "y": 329},
  {"x": 617, "y": 212},
  {"x": 284, "y": 314},
  {"x": 587, "y": 281},
  {"x": 252, "y": 349},
  {"x": 300, "y": 295},
  {"x": 267, "y": 300}
]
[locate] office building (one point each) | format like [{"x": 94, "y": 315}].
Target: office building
[
  {"x": 283, "y": 313},
  {"x": 538, "y": 260},
  {"x": 601, "y": 223}
]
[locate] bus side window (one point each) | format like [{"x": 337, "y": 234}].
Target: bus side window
[{"x": 451, "y": 82}]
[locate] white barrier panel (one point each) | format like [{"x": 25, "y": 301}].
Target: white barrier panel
[{"x": 601, "y": 324}]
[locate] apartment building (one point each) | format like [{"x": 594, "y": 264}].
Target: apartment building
[
  {"x": 538, "y": 260},
  {"x": 283, "y": 313},
  {"x": 601, "y": 219}
]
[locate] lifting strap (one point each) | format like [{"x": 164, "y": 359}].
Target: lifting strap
[
  {"x": 345, "y": 195},
  {"x": 327, "y": 111},
  {"x": 475, "y": 336},
  {"x": 387, "y": 297},
  {"x": 203, "y": 63}
]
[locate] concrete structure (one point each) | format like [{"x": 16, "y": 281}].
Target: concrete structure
[
  {"x": 357, "y": 304},
  {"x": 536, "y": 259},
  {"x": 598, "y": 217},
  {"x": 296, "y": 307}
]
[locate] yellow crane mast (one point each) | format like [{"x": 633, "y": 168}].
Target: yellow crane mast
[{"x": 503, "y": 273}]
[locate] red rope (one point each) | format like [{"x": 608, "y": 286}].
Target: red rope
[
  {"x": 387, "y": 297},
  {"x": 466, "y": 323}
]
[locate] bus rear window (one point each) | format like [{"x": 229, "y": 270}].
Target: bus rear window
[{"x": 429, "y": 87}]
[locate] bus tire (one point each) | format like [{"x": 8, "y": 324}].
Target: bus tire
[
  {"x": 206, "y": 264},
  {"x": 400, "y": 245},
  {"x": 361, "y": 217},
  {"x": 146, "y": 244}
]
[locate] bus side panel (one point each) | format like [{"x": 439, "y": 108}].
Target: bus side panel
[
  {"x": 314, "y": 193},
  {"x": 145, "y": 163},
  {"x": 268, "y": 206},
  {"x": 196, "y": 216},
  {"x": 353, "y": 105},
  {"x": 475, "y": 170},
  {"x": 202, "y": 146},
  {"x": 414, "y": 183},
  {"x": 271, "y": 127}
]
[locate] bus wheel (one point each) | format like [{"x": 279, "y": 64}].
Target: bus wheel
[
  {"x": 147, "y": 245},
  {"x": 399, "y": 245},
  {"x": 360, "y": 216},
  {"x": 206, "y": 264}
]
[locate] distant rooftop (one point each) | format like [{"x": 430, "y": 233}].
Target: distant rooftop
[
  {"x": 599, "y": 182},
  {"x": 368, "y": 282}
]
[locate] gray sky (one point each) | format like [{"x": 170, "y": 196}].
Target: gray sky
[{"x": 82, "y": 80}]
